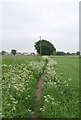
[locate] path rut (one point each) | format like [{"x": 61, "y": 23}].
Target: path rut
[
  {"x": 39, "y": 90},
  {"x": 39, "y": 93}
]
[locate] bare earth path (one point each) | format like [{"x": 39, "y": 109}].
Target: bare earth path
[
  {"x": 39, "y": 90},
  {"x": 39, "y": 94}
]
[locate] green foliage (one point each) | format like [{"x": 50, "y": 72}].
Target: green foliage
[
  {"x": 78, "y": 52},
  {"x": 60, "y": 53},
  {"x": 67, "y": 53},
  {"x": 46, "y": 47},
  {"x": 3, "y": 52},
  {"x": 13, "y": 51},
  {"x": 60, "y": 98},
  {"x": 19, "y": 83}
]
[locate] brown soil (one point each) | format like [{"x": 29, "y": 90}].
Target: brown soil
[
  {"x": 39, "y": 94},
  {"x": 39, "y": 89}
]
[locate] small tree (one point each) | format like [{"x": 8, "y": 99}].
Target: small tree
[
  {"x": 78, "y": 52},
  {"x": 68, "y": 53},
  {"x": 46, "y": 47},
  {"x": 3, "y": 52},
  {"x": 13, "y": 51}
]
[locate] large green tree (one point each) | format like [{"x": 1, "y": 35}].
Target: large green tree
[{"x": 44, "y": 47}]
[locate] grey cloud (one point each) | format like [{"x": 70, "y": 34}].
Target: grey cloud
[{"x": 24, "y": 21}]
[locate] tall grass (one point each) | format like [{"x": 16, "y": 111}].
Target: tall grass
[
  {"x": 60, "y": 98},
  {"x": 61, "y": 89},
  {"x": 19, "y": 83}
]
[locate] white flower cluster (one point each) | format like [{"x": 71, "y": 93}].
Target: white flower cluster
[
  {"x": 19, "y": 82},
  {"x": 56, "y": 93}
]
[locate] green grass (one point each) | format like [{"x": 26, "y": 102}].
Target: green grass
[
  {"x": 11, "y": 59},
  {"x": 60, "y": 98},
  {"x": 68, "y": 67},
  {"x": 19, "y": 83},
  {"x": 61, "y": 89}
]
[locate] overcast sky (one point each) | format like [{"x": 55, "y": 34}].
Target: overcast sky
[{"x": 23, "y": 21}]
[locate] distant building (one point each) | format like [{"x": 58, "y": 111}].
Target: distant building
[
  {"x": 6, "y": 53},
  {"x": 25, "y": 53},
  {"x": 18, "y": 53},
  {"x": 32, "y": 53}
]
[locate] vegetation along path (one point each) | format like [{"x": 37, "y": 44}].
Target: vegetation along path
[
  {"x": 39, "y": 92},
  {"x": 39, "y": 87}
]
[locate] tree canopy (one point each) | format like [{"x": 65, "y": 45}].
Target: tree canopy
[
  {"x": 13, "y": 51},
  {"x": 3, "y": 52},
  {"x": 60, "y": 53},
  {"x": 78, "y": 52},
  {"x": 44, "y": 47}
]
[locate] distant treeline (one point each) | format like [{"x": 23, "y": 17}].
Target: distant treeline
[
  {"x": 58, "y": 53},
  {"x": 14, "y": 52},
  {"x": 64, "y": 53}
]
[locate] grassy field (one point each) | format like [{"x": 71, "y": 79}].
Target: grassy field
[
  {"x": 61, "y": 89},
  {"x": 60, "y": 97},
  {"x": 68, "y": 67},
  {"x": 20, "y": 77}
]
